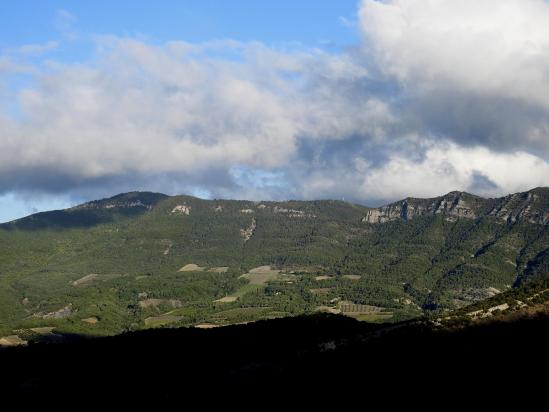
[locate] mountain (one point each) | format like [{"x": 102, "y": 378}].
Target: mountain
[{"x": 141, "y": 260}]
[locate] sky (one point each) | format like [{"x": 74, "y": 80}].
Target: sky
[{"x": 368, "y": 101}]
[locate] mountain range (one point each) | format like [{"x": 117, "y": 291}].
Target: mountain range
[{"x": 141, "y": 260}]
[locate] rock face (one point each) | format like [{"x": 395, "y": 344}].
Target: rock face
[
  {"x": 522, "y": 207},
  {"x": 291, "y": 212},
  {"x": 60, "y": 314},
  {"x": 139, "y": 200},
  {"x": 182, "y": 210},
  {"x": 528, "y": 207},
  {"x": 249, "y": 231},
  {"x": 115, "y": 205},
  {"x": 454, "y": 205}
]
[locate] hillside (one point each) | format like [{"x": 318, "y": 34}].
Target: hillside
[{"x": 141, "y": 260}]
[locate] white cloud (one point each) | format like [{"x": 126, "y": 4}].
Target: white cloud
[
  {"x": 37, "y": 49},
  {"x": 450, "y": 166},
  {"x": 469, "y": 53},
  {"x": 9, "y": 66},
  {"x": 496, "y": 46},
  {"x": 169, "y": 109}
]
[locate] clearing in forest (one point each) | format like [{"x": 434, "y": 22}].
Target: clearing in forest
[
  {"x": 206, "y": 326},
  {"x": 94, "y": 278},
  {"x": 191, "y": 267},
  {"x": 46, "y": 330},
  {"x": 161, "y": 320},
  {"x": 257, "y": 278},
  {"x": 227, "y": 299},
  {"x": 366, "y": 313},
  {"x": 153, "y": 303},
  {"x": 261, "y": 275}
]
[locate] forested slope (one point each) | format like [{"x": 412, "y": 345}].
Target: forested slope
[{"x": 141, "y": 260}]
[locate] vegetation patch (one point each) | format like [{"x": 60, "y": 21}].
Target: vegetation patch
[
  {"x": 219, "y": 269},
  {"x": 257, "y": 279},
  {"x": 153, "y": 303},
  {"x": 321, "y": 291},
  {"x": 371, "y": 317},
  {"x": 244, "y": 315},
  {"x": 161, "y": 320},
  {"x": 261, "y": 275},
  {"x": 367, "y": 313},
  {"x": 150, "y": 303}
]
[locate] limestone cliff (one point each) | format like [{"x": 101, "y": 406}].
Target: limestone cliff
[
  {"x": 528, "y": 207},
  {"x": 453, "y": 205}
]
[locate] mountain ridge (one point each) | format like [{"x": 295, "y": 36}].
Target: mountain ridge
[{"x": 454, "y": 203}]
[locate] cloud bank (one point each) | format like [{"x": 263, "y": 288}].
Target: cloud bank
[
  {"x": 439, "y": 96},
  {"x": 476, "y": 72}
]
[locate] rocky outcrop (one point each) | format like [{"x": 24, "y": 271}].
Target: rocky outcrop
[
  {"x": 454, "y": 205},
  {"x": 182, "y": 210},
  {"x": 383, "y": 214},
  {"x": 291, "y": 212},
  {"x": 60, "y": 314},
  {"x": 524, "y": 207},
  {"x": 121, "y": 204},
  {"x": 249, "y": 231}
]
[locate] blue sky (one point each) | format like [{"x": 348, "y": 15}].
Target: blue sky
[
  {"x": 367, "y": 100},
  {"x": 314, "y": 23}
]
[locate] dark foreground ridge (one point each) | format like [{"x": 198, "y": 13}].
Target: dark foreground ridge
[{"x": 309, "y": 356}]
